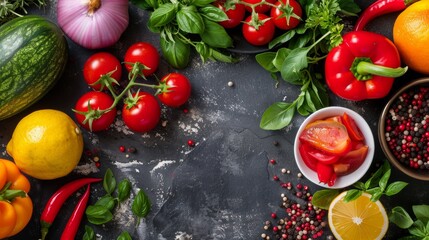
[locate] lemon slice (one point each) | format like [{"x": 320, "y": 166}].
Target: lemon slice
[{"x": 357, "y": 219}]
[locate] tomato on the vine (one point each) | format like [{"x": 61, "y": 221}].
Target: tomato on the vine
[
  {"x": 141, "y": 112},
  {"x": 175, "y": 90},
  {"x": 93, "y": 103},
  {"x": 260, "y": 35},
  {"x": 286, "y": 14},
  {"x": 259, "y": 7},
  {"x": 146, "y": 54},
  {"x": 99, "y": 64},
  {"x": 235, "y": 13}
]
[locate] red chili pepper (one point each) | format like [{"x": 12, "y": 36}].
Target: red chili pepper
[
  {"x": 54, "y": 204},
  {"x": 363, "y": 66},
  {"x": 74, "y": 221},
  {"x": 379, "y": 8}
]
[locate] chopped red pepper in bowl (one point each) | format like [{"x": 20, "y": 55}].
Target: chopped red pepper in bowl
[{"x": 334, "y": 147}]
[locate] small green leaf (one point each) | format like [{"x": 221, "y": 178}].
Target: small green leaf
[
  {"x": 124, "y": 236},
  {"x": 106, "y": 201},
  {"x": 213, "y": 13},
  {"x": 375, "y": 178},
  {"x": 352, "y": 194},
  {"x": 395, "y": 188},
  {"x": 222, "y": 57},
  {"x": 359, "y": 186},
  {"x": 281, "y": 55},
  {"x": 421, "y": 212},
  {"x": 201, "y": 3},
  {"x": 323, "y": 198},
  {"x": 215, "y": 35},
  {"x": 418, "y": 229},
  {"x": 374, "y": 190},
  {"x": 109, "y": 182},
  {"x": 266, "y": 61},
  {"x": 284, "y": 38},
  {"x": 384, "y": 180},
  {"x": 124, "y": 190},
  {"x": 293, "y": 64},
  {"x": 189, "y": 20},
  {"x": 400, "y": 217},
  {"x": 277, "y": 116},
  {"x": 176, "y": 52},
  {"x": 98, "y": 214},
  {"x": 163, "y": 15},
  {"x": 376, "y": 196},
  {"x": 141, "y": 205},
  {"x": 349, "y": 6},
  {"x": 89, "y": 233}
]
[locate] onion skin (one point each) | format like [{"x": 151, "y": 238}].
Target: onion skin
[{"x": 93, "y": 24}]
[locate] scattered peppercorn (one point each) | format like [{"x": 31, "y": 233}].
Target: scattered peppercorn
[
  {"x": 191, "y": 143},
  {"x": 122, "y": 148},
  {"x": 272, "y": 161}
]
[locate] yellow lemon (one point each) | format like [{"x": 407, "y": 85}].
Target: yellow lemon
[
  {"x": 359, "y": 219},
  {"x": 46, "y": 144}
]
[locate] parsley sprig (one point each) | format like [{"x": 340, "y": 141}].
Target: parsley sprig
[{"x": 298, "y": 61}]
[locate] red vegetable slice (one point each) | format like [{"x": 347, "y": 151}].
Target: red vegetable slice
[
  {"x": 308, "y": 160},
  {"x": 319, "y": 156},
  {"x": 328, "y": 136},
  {"x": 326, "y": 174},
  {"x": 354, "y": 131},
  {"x": 351, "y": 161}
]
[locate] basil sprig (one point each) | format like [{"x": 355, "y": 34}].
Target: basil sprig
[
  {"x": 186, "y": 25},
  {"x": 418, "y": 228}
]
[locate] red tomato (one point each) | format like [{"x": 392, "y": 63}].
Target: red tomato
[
  {"x": 327, "y": 136},
  {"x": 308, "y": 160},
  {"x": 175, "y": 90},
  {"x": 261, "y": 35},
  {"x": 326, "y": 174},
  {"x": 146, "y": 54},
  {"x": 235, "y": 14},
  {"x": 354, "y": 131},
  {"x": 260, "y": 8},
  {"x": 287, "y": 14},
  {"x": 141, "y": 113},
  {"x": 90, "y": 103},
  {"x": 320, "y": 156},
  {"x": 100, "y": 64},
  {"x": 351, "y": 161}
]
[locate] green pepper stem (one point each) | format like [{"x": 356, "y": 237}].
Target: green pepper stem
[{"x": 364, "y": 69}]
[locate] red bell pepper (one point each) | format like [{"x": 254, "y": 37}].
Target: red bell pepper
[{"x": 363, "y": 66}]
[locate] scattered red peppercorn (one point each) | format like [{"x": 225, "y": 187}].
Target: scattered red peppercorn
[
  {"x": 272, "y": 161},
  {"x": 122, "y": 148},
  {"x": 191, "y": 143}
]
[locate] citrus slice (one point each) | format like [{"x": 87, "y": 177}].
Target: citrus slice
[{"x": 357, "y": 219}]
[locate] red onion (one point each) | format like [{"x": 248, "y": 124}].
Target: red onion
[{"x": 93, "y": 24}]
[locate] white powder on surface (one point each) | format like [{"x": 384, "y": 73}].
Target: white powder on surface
[
  {"x": 86, "y": 169},
  {"x": 129, "y": 164},
  {"x": 182, "y": 236},
  {"x": 162, "y": 164}
]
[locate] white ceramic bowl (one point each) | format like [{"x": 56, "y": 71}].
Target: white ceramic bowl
[{"x": 342, "y": 181}]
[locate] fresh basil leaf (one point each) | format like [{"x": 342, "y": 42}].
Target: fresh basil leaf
[
  {"x": 266, "y": 61},
  {"x": 189, "y": 20},
  {"x": 376, "y": 196},
  {"x": 359, "y": 186},
  {"x": 98, "y": 214},
  {"x": 89, "y": 233},
  {"x": 176, "y": 52},
  {"x": 301, "y": 105},
  {"x": 412, "y": 238},
  {"x": 203, "y": 50},
  {"x": 141, "y": 205},
  {"x": 395, "y": 188},
  {"x": 146, "y": 5},
  {"x": 124, "y": 189},
  {"x": 309, "y": 101},
  {"x": 349, "y": 6},
  {"x": 106, "y": 201},
  {"x": 201, "y": 3},
  {"x": 352, "y": 194},
  {"x": 421, "y": 212},
  {"x": 277, "y": 116},
  {"x": 293, "y": 64},
  {"x": 222, "y": 57},
  {"x": 375, "y": 178},
  {"x": 321, "y": 94},
  {"x": 213, "y": 13},
  {"x": 323, "y": 198},
  {"x": 163, "y": 15},
  {"x": 384, "y": 180},
  {"x": 300, "y": 41},
  {"x": 374, "y": 190},
  {"x": 400, "y": 217},
  {"x": 109, "y": 182},
  {"x": 124, "y": 236},
  {"x": 281, "y": 55},
  {"x": 418, "y": 229},
  {"x": 284, "y": 38},
  {"x": 215, "y": 35}
]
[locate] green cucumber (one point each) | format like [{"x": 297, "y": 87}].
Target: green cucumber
[{"x": 33, "y": 55}]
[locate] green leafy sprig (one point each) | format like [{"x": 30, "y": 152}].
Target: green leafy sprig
[
  {"x": 419, "y": 228},
  {"x": 16, "y": 8}
]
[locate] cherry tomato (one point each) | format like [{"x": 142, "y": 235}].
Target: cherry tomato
[
  {"x": 175, "y": 90},
  {"x": 261, "y": 8},
  {"x": 263, "y": 34},
  {"x": 100, "y": 64},
  {"x": 326, "y": 174},
  {"x": 93, "y": 101},
  {"x": 353, "y": 130},
  {"x": 235, "y": 13},
  {"x": 141, "y": 112},
  {"x": 327, "y": 136},
  {"x": 351, "y": 161},
  {"x": 146, "y": 54},
  {"x": 286, "y": 14}
]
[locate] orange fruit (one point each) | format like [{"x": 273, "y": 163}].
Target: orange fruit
[
  {"x": 411, "y": 36},
  {"x": 359, "y": 219}
]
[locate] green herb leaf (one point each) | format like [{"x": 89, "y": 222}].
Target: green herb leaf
[
  {"x": 418, "y": 229},
  {"x": 106, "y": 201},
  {"x": 384, "y": 180},
  {"x": 395, "y": 188},
  {"x": 266, "y": 61},
  {"x": 293, "y": 64},
  {"x": 98, "y": 214},
  {"x": 215, "y": 35},
  {"x": 352, "y": 194},
  {"x": 124, "y": 190},
  {"x": 400, "y": 217},
  {"x": 349, "y": 6},
  {"x": 89, "y": 233},
  {"x": 323, "y": 198},
  {"x": 282, "y": 39},
  {"x": 109, "y": 182},
  {"x": 222, "y": 57},
  {"x": 124, "y": 236},
  {"x": 421, "y": 212},
  {"x": 359, "y": 186},
  {"x": 213, "y": 13},
  {"x": 141, "y": 205},
  {"x": 375, "y": 178},
  {"x": 201, "y": 3},
  {"x": 277, "y": 116},
  {"x": 376, "y": 196},
  {"x": 175, "y": 51},
  {"x": 189, "y": 20},
  {"x": 163, "y": 15}
]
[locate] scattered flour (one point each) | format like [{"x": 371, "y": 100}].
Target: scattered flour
[
  {"x": 87, "y": 168},
  {"x": 182, "y": 236},
  {"x": 162, "y": 164}
]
